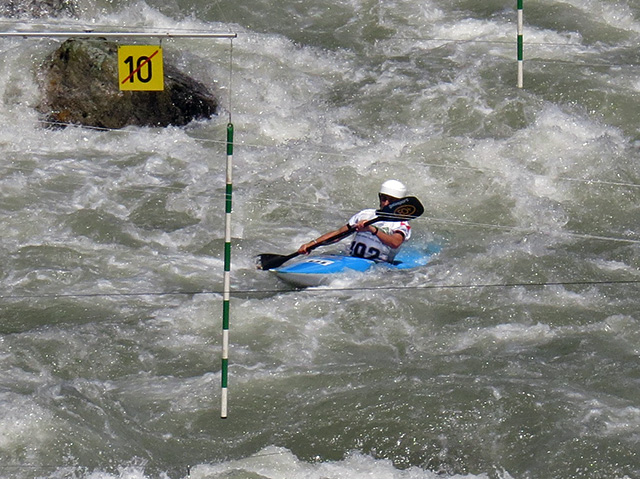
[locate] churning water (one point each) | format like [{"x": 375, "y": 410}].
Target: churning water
[{"x": 515, "y": 354}]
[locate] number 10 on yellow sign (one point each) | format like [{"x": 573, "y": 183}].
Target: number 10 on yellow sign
[{"x": 140, "y": 68}]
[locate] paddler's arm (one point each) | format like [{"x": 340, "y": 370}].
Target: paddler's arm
[
  {"x": 393, "y": 240},
  {"x": 304, "y": 249}
]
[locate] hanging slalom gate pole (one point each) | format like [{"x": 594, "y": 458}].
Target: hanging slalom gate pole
[
  {"x": 227, "y": 274},
  {"x": 226, "y": 306},
  {"x": 520, "y": 44},
  {"x": 229, "y": 187}
]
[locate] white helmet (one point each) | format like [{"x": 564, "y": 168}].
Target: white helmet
[{"x": 393, "y": 188}]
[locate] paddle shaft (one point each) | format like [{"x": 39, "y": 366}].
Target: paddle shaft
[
  {"x": 344, "y": 234},
  {"x": 274, "y": 261}
]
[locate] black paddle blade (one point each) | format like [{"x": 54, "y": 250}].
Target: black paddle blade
[
  {"x": 267, "y": 261},
  {"x": 404, "y": 209}
]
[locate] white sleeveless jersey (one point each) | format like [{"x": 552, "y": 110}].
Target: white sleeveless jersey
[{"x": 367, "y": 245}]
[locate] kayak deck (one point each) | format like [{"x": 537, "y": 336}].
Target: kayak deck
[{"x": 322, "y": 269}]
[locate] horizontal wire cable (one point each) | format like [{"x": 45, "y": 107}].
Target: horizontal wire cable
[
  {"x": 587, "y": 181},
  {"x": 412, "y": 38},
  {"x": 320, "y": 289}
]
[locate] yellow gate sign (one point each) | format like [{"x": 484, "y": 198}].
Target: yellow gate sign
[{"x": 140, "y": 68}]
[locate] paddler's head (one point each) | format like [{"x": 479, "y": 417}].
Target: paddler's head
[{"x": 390, "y": 191}]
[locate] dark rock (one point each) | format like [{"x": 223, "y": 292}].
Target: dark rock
[
  {"x": 38, "y": 8},
  {"x": 80, "y": 86}
]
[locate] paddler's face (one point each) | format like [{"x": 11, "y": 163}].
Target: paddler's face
[{"x": 385, "y": 200}]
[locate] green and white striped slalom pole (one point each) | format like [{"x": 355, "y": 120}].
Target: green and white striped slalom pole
[
  {"x": 227, "y": 274},
  {"x": 520, "y": 44}
]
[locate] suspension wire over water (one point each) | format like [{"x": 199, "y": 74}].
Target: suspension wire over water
[{"x": 329, "y": 289}]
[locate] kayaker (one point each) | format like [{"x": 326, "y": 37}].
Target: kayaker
[{"x": 380, "y": 241}]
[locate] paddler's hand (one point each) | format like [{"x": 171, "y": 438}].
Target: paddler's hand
[
  {"x": 363, "y": 226},
  {"x": 304, "y": 249}
]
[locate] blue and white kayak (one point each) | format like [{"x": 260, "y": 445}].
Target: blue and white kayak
[{"x": 322, "y": 269}]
